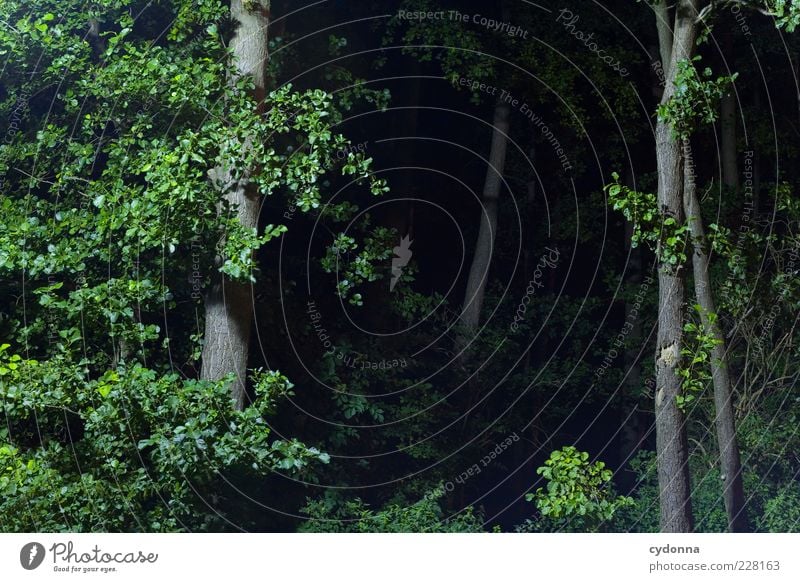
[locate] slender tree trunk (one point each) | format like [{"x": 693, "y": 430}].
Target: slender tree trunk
[
  {"x": 730, "y": 464},
  {"x": 229, "y": 303},
  {"x": 484, "y": 247},
  {"x": 664, "y": 23},
  {"x": 671, "y": 440}
]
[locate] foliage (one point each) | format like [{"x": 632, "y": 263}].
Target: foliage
[
  {"x": 125, "y": 146},
  {"x": 694, "y": 99},
  {"x": 121, "y": 146},
  {"x": 131, "y": 450},
  {"x": 770, "y": 481},
  {"x": 157, "y": 192},
  {"x": 578, "y": 494},
  {"x": 699, "y": 341},
  {"x": 786, "y": 13},
  {"x": 354, "y": 268},
  {"x": 782, "y": 512},
  {"x": 663, "y": 234},
  {"x": 354, "y": 516}
]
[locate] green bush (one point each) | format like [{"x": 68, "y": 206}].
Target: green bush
[
  {"x": 330, "y": 514},
  {"x": 578, "y": 495},
  {"x": 132, "y": 450}
]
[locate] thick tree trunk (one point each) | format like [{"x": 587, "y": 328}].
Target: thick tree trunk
[
  {"x": 730, "y": 464},
  {"x": 484, "y": 247},
  {"x": 229, "y": 303},
  {"x": 671, "y": 440}
]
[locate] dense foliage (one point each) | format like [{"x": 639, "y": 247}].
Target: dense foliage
[{"x": 124, "y": 121}]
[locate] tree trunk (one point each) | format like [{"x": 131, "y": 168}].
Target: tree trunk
[
  {"x": 229, "y": 303},
  {"x": 484, "y": 247},
  {"x": 664, "y": 24},
  {"x": 671, "y": 440},
  {"x": 730, "y": 464}
]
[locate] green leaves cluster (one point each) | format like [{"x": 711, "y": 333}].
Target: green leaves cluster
[
  {"x": 662, "y": 234},
  {"x": 578, "y": 493},
  {"x": 128, "y": 169},
  {"x": 695, "y": 98},
  {"x": 696, "y": 361},
  {"x": 786, "y": 12},
  {"x": 356, "y": 264}
]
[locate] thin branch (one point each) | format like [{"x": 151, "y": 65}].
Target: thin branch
[{"x": 712, "y": 6}]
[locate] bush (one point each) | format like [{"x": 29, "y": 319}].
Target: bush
[
  {"x": 330, "y": 514},
  {"x": 132, "y": 450},
  {"x": 578, "y": 495}
]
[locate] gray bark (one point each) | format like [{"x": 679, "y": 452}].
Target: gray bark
[
  {"x": 229, "y": 303},
  {"x": 730, "y": 464},
  {"x": 664, "y": 27},
  {"x": 671, "y": 440},
  {"x": 484, "y": 247}
]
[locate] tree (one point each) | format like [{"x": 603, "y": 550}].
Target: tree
[
  {"x": 730, "y": 463},
  {"x": 671, "y": 439},
  {"x": 677, "y": 114},
  {"x": 229, "y": 302},
  {"x": 484, "y": 245},
  {"x": 697, "y": 101}
]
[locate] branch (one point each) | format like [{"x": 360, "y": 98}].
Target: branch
[
  {"x": 665, "y": 34},
  {"x": 712, "y": 6}
]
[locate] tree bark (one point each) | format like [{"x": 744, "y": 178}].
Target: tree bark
[
  {"x": 664, "y": 27},
  {"x": 730, "y": 464},
  {"x": 484, "y": 247},
  {"x": 671, "y": 440},
  {"x": 229, "y": 303}
]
